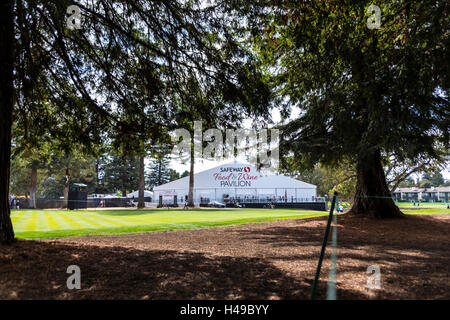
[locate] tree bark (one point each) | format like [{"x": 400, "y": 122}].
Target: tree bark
[
  {"x": 6, "y": 111},
  {"x": 159, "y": 172},
  {"x": 191, "y": 180},
  {"x": 33, "y": 184},
  {"x": 124, "y": 181},
  {"x": 141, "y": 203},
  {"x": 97, "y": 178},
  {"x": 66, "y": 190},
  {"x": 373, "y": 197}
]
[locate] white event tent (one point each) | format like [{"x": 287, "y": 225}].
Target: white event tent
[{"x": 238, "y": 182}]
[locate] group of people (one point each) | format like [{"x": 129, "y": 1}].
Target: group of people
[
  {"x": 102, "y": 204},
  {"x": 339, "y": 207},
  {"x": 14, "y": 203}
]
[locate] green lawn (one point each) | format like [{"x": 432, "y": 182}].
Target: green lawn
[
  {"x": 45, "y": 224},
  {"x": 424, "y": 208},
  {"x": 437, "y": 205},
  {"x": 426, "y": 211}
]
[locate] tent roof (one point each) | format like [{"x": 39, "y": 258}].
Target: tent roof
[
  {"x": 78, "y": 184},
  {"x": 236, "y": 171},
  {"x": 136, "y": 194}
]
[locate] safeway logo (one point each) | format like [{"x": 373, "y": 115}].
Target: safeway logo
[{"x": 246, "y": 169}]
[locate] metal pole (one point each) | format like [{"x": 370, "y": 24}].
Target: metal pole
[
  {"x": 331, "y": 294},
  {"x": 324, "y": 244}
]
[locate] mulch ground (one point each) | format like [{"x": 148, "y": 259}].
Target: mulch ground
[{"x": 274, "y": 260}]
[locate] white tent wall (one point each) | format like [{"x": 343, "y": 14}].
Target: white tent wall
[{"x": 281, "y": 194}]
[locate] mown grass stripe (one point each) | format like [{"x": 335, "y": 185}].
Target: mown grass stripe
[
  {"x": 18, "y": 213},
  {"x": 64, "y": 222},
  {"x": 31, "y": 224},
  {"x": 90, "y": 221},
  {"x": 51, "y": 221},
  {"x": 19, "y": 222},
  {"x": 72, "y": 222},
  {"x": 42, "y": 221},
  {"x": 116, "y": 222}
]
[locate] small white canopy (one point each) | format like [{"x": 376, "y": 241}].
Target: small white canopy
[{"x": 135, "y": 194}]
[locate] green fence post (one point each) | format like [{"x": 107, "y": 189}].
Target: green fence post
[
  {"x": 331, "y": 293},
  {"x": 324, "y": 244}
]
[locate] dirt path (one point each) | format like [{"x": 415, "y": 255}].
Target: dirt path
[{"x": 274, "y": 260}]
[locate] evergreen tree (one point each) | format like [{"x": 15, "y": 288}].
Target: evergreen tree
[
  {"x": 91, "y": 81},
  {"x": 407, "y": 183},
  {"x": 121, "y": 174},
  {"x": 434, "y": 178},
  {"x": 173, "y": 175},
  {"x": 364, "y": 93},
  {"x": 159, "y": 171},
  {"x": 64, "y": 170},
  {"x": 185, "y": 174}
]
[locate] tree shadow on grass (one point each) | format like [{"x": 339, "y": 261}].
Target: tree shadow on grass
[
  {"x": 37, "y": 270},
  {"x": 411, "y": 252},
  {"x": 412, "y": 255}
]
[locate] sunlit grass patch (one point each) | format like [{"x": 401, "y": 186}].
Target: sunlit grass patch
[{"x": 34, "y": 224}]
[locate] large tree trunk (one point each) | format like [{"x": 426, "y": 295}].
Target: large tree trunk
[
  {"x": 159, "y": 172},
  {"x": 66, "y": 190},
  {"x": 373, "y": 197},
  {"x": 124, "y": 190},
  {"x": 33, "y": 184},
  {"x": 141, "y": 203},
  {"x": 6, "y": 110},
  {"x": 191, "y": 180},
  {"x": 97, "y": 178}
]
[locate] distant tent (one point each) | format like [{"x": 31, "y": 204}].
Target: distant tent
[{"x": 135, "y": 194}]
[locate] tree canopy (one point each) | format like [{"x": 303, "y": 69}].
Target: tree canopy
[
  {"x": 363, "y": 93},
  {"x": 119, "y": 76},
  {"x": 135, "y": 70}
]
